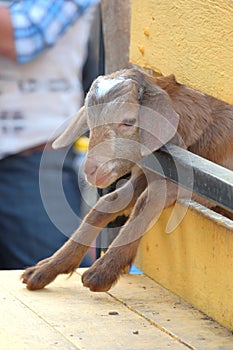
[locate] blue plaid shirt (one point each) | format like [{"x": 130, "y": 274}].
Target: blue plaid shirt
[{"x": 39, "y": 23}]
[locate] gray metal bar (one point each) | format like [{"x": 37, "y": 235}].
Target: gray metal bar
[{"x": 193, "y": 172}]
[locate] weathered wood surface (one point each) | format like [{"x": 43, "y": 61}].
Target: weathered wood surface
[
  {"x": 136, "y": 314},
  {"x": 116, "y": 15}
]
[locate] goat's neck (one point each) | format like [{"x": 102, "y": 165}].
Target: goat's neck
[
  {"x": 192, "y": 106},
  {"x": 206, "y": 123}
]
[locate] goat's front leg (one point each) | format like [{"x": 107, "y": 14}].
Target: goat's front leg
[
  {"x": 106, "y": 271},
  {"x": 68, "y": 257}
]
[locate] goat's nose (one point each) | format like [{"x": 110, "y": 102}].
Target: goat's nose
[{"x": 90, "y": 167}]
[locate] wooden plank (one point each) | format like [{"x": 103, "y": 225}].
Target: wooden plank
[
  {"x": 197, "y": 174},
  {"x": 87, "y": 320},
  {"x": 192, "y": 39},
  {"x": 21, "y": 328},
  {"x": 170, "y": 313},
  {"x": 137, "y": 313}
]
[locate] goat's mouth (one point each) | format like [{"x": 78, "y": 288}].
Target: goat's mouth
[{"x": 101, "y": 180}]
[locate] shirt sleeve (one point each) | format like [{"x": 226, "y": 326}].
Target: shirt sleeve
[{"x": 38, "y": 24}]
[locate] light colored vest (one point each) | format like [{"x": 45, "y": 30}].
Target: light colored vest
[{"x": 37, "y": 98}]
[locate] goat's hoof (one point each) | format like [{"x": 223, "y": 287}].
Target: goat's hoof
[
  {"x": 38, "y": 276},
  {"x": 97, "y": 280}
]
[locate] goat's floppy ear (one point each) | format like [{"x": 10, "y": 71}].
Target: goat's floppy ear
[
  {"x": 158, "y": 121},
  {"x": 77, "y": 128}
]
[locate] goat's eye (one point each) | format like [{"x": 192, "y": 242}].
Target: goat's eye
[{"x": 128, "y": 122}]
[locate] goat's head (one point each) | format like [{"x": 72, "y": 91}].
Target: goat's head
[{"x": 128, "y": 117}]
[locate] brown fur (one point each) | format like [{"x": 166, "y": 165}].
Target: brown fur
[{"x": 205, "y": 127}]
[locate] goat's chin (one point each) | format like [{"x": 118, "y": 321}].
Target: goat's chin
[
  {"x": 106, "y": 175},
  {"x": 102, "y": 180},
  {"x": 106, "y": 180}
]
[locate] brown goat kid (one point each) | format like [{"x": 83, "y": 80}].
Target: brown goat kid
[{"x": 131, "y": 114}]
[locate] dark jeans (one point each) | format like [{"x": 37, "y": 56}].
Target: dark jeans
[{"x": 35, "y": 218}]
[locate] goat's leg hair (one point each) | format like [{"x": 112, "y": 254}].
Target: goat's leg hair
[
  {"x": 121, "y": 254},
  {"x": 68, "y": 257}
]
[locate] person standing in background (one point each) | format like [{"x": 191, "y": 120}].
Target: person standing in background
[{"x": 43, "y": 48}]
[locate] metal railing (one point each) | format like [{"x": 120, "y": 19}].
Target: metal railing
[{"x": 208, "y": 179}]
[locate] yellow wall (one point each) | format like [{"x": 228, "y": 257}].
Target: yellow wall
[
  {"x": 192, "y": 39},
  {"x": 195, "y": 261}
]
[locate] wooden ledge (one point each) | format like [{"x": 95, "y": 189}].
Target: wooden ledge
[{"x": 136, "y": 314}]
